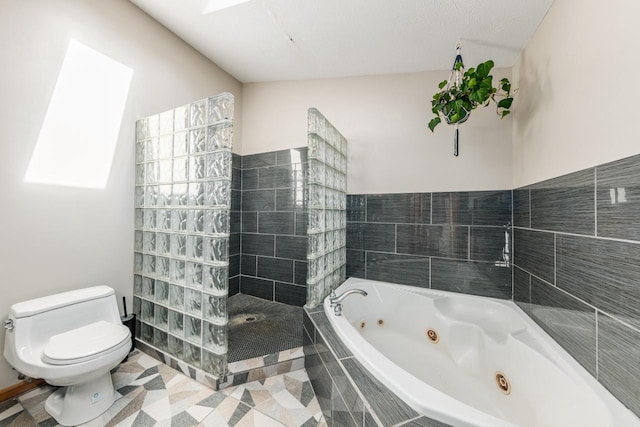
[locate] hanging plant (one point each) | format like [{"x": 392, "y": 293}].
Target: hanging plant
[{"x": 467, "y": 90}]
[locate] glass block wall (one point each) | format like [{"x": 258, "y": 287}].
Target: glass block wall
[
  {"x": 182, "y": 205},
  {"x": 327, "y": 183}
]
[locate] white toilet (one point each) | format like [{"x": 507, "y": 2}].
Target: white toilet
[{"x": 72, "y": 339}]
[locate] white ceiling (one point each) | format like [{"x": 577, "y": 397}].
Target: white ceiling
[{"x": 271, "y": 40}]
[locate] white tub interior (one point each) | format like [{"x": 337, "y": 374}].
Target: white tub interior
[{"x": 454, "y": 379}]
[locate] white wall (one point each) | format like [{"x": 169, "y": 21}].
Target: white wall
[
  {"x": 384, "y": 118},
  {"x": 56, "y": 238},
  {"x": 578, "y": 99}
]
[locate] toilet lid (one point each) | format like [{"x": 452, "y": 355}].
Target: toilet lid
[{"x": 85, "y": 343}]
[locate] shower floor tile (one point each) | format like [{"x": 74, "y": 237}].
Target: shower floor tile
[
  {"x": 151, "y": 393},
  {"x": 259, "y": 327}
]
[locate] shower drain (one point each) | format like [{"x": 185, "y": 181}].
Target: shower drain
[
  {"x": 240, "y": 319},
  {"x": 503, "y": 383}
]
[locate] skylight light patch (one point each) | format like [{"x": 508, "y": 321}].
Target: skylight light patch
[
  {"x": 216, "y": 5},
  {"x": 78, "y": 136}
]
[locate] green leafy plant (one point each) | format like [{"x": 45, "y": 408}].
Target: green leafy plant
[{"x": 455, "y": 102}]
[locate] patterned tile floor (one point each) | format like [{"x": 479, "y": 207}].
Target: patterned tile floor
[{"x": 152, "y": 394}]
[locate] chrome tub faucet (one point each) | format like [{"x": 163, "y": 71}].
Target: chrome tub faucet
[{"x": 336, "y": 300}]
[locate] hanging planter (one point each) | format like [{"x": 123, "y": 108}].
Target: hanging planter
[{"x": 466, "y": 90}]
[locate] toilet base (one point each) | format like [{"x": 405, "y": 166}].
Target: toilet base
[{"x": 79, "y": 403}]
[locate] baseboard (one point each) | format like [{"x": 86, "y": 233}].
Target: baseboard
[{"x": 18, "y": 389}]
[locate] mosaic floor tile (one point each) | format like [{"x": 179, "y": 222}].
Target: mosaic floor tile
[{"x": 153, "y": 394}]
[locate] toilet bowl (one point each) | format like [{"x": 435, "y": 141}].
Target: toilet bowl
[{"x": 72, "y": 340}]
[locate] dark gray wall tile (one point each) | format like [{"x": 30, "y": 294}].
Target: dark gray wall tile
[
  {"x": 380, "y": 237},
  {"x": 258, "y": 244},
  {"x": 356, "y": 207},
  {"x": 302, "y": 223},
  {"x": 619, "y": 199},
  {"x": 236, "y": 200},
  {"x": 355, "y": 263},
  {"x": 521, "y": 208},
  {"x": 259, "y": 160},
  {"x": 390, "y": 408},
  {"x": 249, "y": 222},
  {"x": 258, "y": 200},
  {"x": 234, "y": 265},
  {"x": 234, "y": 286},
  {"x": 433, "y": 240},
  {"x": 340, "y": 414},
  {"x": 487, "y": 243},
  {"x": 293, "y": 155},
  {"x": 619, "y": 361},
  {"x": 260, "y": 288},
  {"x": 278, "y": 176},
  {"x": 408, "y": 208},
  {"x": 534, "y": 252},
  {"x": 292, "y": 247},
  {"x": 275, "y": 269},
  {"x": 234, "y": 243},
  {"x": 603, "y": 273},
  {"x": 472, "y": 208},
  {"x": 308, "y": 325},
  {"x": 235, "y": 221},
  {"x": 250, "y": 179},
  {"x": 300, "y": 273},
  {"x": 475, "y": 278},
  {"x": 521, "y": 286},
  {"x": 291, "y": 294},
  {"x": 236, "y": 179},
  {"x": 321, "y": 382},
  {"x": 570, "y": 322},
  {"x": 290, "y": 200},
  {"x": 248, "y": 264},
  {"x": 402, "y": 269},
  {"x": 276, "y": 223},
  {"x": 236, "y": 161},
  {"x": 565, "y": 203}
]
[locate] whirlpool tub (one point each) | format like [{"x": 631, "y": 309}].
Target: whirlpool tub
[{"x": 470, "y": 361}]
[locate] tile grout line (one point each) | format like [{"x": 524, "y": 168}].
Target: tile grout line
[{"x": 586, "y": 236}]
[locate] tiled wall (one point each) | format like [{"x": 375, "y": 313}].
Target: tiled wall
[
  {"x": 273, "y": 242},
  {"x": 235, "y": 225},
  {"x": 577, "y": 268},
  {"x": 448, "y": 241}
]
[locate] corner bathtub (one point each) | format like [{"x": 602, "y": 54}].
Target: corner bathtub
[{"x": 453, "y": 375}]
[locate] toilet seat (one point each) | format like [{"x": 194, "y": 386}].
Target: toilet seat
[{"x": 84, "y": 343}]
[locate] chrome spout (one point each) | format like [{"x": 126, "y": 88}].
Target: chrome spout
[{"x": 336, "y": 300}]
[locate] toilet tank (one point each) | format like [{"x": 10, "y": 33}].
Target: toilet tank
[{"x": 36, "y": 320}]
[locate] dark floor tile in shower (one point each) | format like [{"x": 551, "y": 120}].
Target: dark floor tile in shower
[
  {"x": 258, "y": 244},
  {"x": 260, "y": 288},
  {"x": 569, "y": 321},
  {"x": 259, "y": 160},
  {"x": 469, "y": 277},
  {"x": 619, "y": 360},
  {"x": 402, "y": 269},
  {"x": 565, "y": 203},
  {"x": 433, "y": 240},
  {"x": 391, "y": 410},
  {"x": 618, "y": 195},
  {"x": 407, "y": 208},
  {"x": 276, "y": 223},
  {"x": 472, "y": 208},
  {"x": 288, "y": 293},
  {"x": 534, "y": 251},
  {"x": 604, "y": 273},
  {"x": 291, "y": 247},
  {"x": 258, "y": 327},
  {"x": 258, "y": 200},
  {"x": 521, "y": 208}
]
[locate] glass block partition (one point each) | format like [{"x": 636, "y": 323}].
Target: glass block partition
[
  {"x": 326, "y": 253},
  {"x": 182, "y": 204}
]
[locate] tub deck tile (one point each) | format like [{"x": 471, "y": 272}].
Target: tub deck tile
[
  {"x": 391, "y": 410},
  {"x": 322, "y": 325}
]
